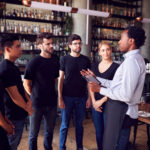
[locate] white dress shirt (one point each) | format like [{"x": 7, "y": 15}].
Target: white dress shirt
[{"x": 128, "y": 81}]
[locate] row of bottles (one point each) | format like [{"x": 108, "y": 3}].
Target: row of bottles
[
  {"x": 64, "y": 2},
  {"x": 59, "y": 44},
  {"x": 28, "y": 45},
  {"x": 25, "y": 12},
  {"x": 99, "y": 33},
  {"x": 113, "y": 22},
  {"x": 11, "y": 26},
  {"x": 123, "y": 11}
]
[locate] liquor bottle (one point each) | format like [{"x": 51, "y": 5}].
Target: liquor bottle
[
  {"x": 53, "y": 1},
  {"x": 15, "y": 28},
  {"x": 59, "y": 16},
  {"x": 32, "y": 13},
  {"x": 2, "y": 26},
  {"x": 18, "y": 12},
  {"x": 7, "y": 27},
  {"x": 125, "y": 12},
  {"x": 57, "y": 2},
  {"x": 26, "y": 28},
  {"x": 35, "y": 14},
  {"x": 39, "y": 15},
  {"x": 20, "y": 28},
  {"x": 133, "y": 12},
  {"x": 129, "y": 12},
  {"x": 111, "y": 9},
  {"x": 25, "y": 13},
  {"x": 14, "y": 14},
  {"x": 21, "y": 13},
  {"x": 52, "y": 15}
]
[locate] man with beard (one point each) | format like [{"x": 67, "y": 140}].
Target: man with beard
[
  {"x": 72, "y": 91},
  {"x": 40, "y": 77}
]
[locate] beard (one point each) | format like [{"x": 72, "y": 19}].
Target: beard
[
  {"x": 49, "y": 51},
  {"x": 77, "y": 51}
]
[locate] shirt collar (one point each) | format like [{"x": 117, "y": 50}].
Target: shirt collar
[{"x": 135, "y": 51}]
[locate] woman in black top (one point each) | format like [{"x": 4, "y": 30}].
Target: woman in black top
[{"x": 106, "y": 68}]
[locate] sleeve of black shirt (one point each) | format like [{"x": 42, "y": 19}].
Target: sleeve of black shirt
[
  {"x": 9, "y": 78},
  {"x": 29, "y": 71},
  {"x": 1, "y": 96},
  {"x": 89, "y": 64},
  {"x": 57, "y": 68},
  {"x": 62, "y": 64}
]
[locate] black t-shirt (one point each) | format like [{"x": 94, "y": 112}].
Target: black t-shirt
[
  {"x": 1, "y": 98},
  {"x": 43, "y": 72},
  {"x": 108, "y": 74},
  {"x": 2, "y": 110},
  {"x": 74, "y": 84},
  {"x": 11, "y": 76}
]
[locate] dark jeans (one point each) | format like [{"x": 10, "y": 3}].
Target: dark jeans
[
  {"x": 115, "y": 113},
  {"x": 4, "y": 144},
  {"x": 14, "y": 140},
  {"x": 98, "y": 120},
  {"x": 49, "y": 114},
  {"x": 79, "y": 105},
  {"x": 125, "y": 132},
  {"x": 124, "y": 138}
]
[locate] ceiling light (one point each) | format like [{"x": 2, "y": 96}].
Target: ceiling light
[
  {"x": 146, "y": 20},
  {"x": 68, "y": 9}
]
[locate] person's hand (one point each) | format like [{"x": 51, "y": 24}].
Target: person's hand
[
  {"x": 94, "y": 87},
  {"x": 87, "y": 72},
  {"x": 29, "y": 110},
  {"x": 29, "y": 103},
  {"x": 98, "y": 104},
  {"x": 88, "y": 102},
  {"x": 61, "y": 103},
  {"x": 9, "y": 127}
]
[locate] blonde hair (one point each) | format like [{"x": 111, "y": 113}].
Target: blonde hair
[{"x": 104, "y": 43}]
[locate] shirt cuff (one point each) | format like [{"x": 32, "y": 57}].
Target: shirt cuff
[{"x": 103, "y": 91}]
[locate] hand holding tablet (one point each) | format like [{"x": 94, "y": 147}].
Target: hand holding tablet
[{"x": 90, "y": 78}]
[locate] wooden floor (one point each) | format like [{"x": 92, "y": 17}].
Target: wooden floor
[{"x": 89, "y": 138}]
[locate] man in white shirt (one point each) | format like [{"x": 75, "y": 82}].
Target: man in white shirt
[{"x": 124, "y": 90}]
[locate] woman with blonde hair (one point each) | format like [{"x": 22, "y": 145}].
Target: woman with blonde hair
[{"x": 106, "y": 68}]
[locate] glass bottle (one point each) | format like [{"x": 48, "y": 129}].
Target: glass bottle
[
  {"x": 2, "y": 27},
  {"x": 14, "y": 14},
  {"x": 29, "y": 13},
  {"x": 21, "y": 13},
  {"x": 18, "y": 12},
  {"x": 25, "y": 13},
  {"x": 52, "y": 15}
]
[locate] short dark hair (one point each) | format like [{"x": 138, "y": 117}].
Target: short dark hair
[
  {"x": 73, "y": 37},
  {"x": 8, "y": 40},
  {"x": 44, "y": 35},
  {"x": 138, "y": 34}
]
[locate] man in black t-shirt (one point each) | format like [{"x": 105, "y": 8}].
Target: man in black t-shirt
[
  {"x": 40, "y": 77},
  {"x": 72, "y": 91},
  {"x": 16, "y": 101}
]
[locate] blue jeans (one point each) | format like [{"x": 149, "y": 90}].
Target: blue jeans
[
  {"x": 124, "y": 139},
  {"x": 49, "y": 114},
  {"x": 15, "y": 139},
  {"x": 79, "y": 104},
  {"x": 99, "y": 121}
]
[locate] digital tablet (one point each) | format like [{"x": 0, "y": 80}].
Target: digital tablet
[{"x": 90, "y": 78}]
